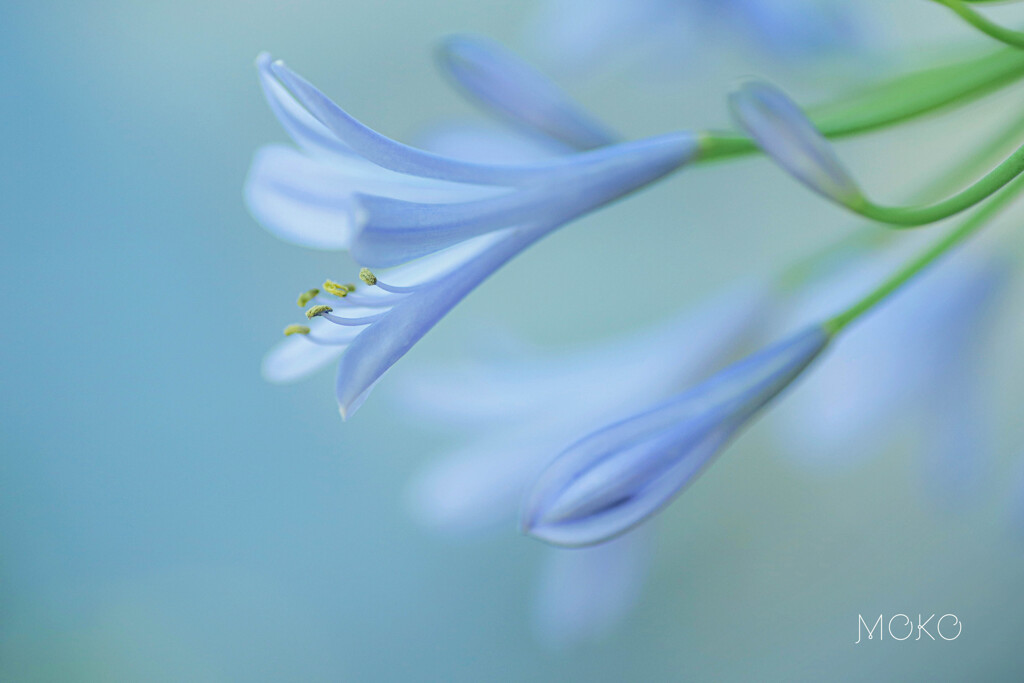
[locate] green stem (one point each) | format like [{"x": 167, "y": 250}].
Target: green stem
[
  {"x": 897, "y": 100},
  {"x": 912, "y": 216},
  {"x": 990, "y": 28},
  {"x": 859, "y": 240},
  {"x": 916, "y": 265}
]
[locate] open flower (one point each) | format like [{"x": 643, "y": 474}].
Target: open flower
[
  {"x": 389, "y": 203},
  {"x": 447, "y": 223},
  {"x": 617, "y": 477},
  {"x": 521, "y": 407}
]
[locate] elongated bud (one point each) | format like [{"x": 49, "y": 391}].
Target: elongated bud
[
  {"x": 617, "y": 477},
  {"x": 785, "y": 133}
]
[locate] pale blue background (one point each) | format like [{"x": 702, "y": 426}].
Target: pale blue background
[{"x": 166, "y": 515}]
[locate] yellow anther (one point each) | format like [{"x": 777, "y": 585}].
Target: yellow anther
[
  {"x": 305, "y": 297},
  {"x": 295, "y": 329},
  {"x": 367, "y": 276},
  {"x": 337, "y": 289},
  {"x": 314, "y": 311}
]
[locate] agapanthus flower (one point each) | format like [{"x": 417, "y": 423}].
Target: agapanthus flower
[
  {"x": 910, "y": 367},
  {"x": 615, "y": 478},
  {"x": 446, "y": 223},
  {"x": 578, "y": 35},
  {"x": 522, "y": 407}
]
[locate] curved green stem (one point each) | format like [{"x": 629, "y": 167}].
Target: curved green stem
[
  {"x": 804, "y": 269},
  {"x": 989, "y": 28},
  {"x": 912, "y": 216},
  {"x": 897, "y": 100},
  {"x": 916, "y": 265}
]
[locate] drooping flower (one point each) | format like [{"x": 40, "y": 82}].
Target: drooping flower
[
  {"x": 910, "y": 368},
  {"x": 612, "y": 480},
  {"x": 522, "y": 408},
  {"x": 446, "y": 223}
]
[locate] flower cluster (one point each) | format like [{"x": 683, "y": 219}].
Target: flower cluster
[{"x": 874, "y": 321}]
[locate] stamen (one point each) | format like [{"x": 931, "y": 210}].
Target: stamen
[
  {"x": 306, "y": 296},
  {"x": 336, "y": 288},
  {"x": 295, "y": 329},
  {"x": 314, "y": 311},
  {"x": 367, "y": 276},
  {"x": 395, "y": 289}
]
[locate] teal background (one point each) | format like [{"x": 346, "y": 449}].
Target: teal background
[{"x": 167, "y": 515}]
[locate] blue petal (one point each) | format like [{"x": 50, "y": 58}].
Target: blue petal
[
  {"x": 301, "y": 200},
  {"x": 296, "y": 356},
  {"x": 297, "y": 122},
  {"x": 488, "y": 144},
  {"x": 387, "y": 340},
  {"x": 517, "y": 91},
  {"x": 782, "y": 130},
  {"x": 615, "y": 478},
  {"x": 404, "y": 159},
  {"x": 398, "y": 231}
]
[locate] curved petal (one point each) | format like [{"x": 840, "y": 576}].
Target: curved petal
[
  {"x": 398, "y": 231},
  {"x": 404, "y": 159},
  {"x": 508, "y": 86},
  {"x": 303, "y": 128},
  {"x": 301, "y": 200},
  {"x": 488, "y": 144},
  {"x": 387, "y": 340},
  {"x": 296, "y": 356},
  {"x": 783, "y": 131}
]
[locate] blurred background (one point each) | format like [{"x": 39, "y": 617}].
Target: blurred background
[{"x": 165, "y": 514}]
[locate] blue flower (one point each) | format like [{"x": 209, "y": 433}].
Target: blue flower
[
  {"x": 908, "y": 370},
  {"x": 446, "y": 223},
  {"x": 617, "y": 477},
  {"x": 578, "y": 35},
  {"x": 522, "y": 405}
]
